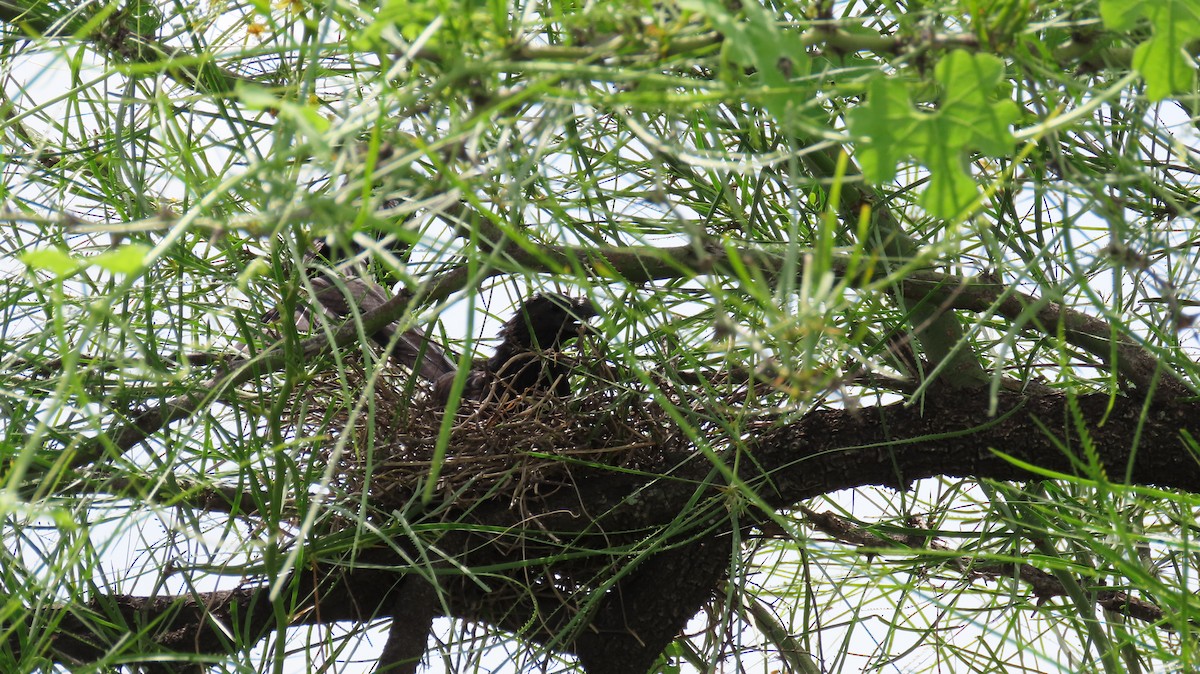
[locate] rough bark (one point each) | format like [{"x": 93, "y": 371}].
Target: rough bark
[{"x": 649, "y": 600}]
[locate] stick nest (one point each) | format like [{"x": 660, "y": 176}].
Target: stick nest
[{"x": 510, "y": 447}]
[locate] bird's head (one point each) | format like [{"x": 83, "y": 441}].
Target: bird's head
[{"x": 546, "y": 320}]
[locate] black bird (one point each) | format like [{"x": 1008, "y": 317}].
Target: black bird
[
  {"x": 412, "y": 349},
  {"x": 518, "y": 365}
]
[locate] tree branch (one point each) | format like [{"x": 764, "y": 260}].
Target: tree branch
[
  {"x": 825, "y": 451},
  {"x": 1043, "y": 584},
  {"x": 1134, "y": 362}
]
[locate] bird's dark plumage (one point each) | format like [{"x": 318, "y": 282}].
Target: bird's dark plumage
[{"x": 519, "y": 364}]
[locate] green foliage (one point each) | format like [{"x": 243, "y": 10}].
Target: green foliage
[
  {"x": 778, "y": 58},
  {"x": 1162, "y": 57},
  {"x": 782, "y": 208},
  {"x": 125, "y": 259},
  {"x": 54, "y": 260},
  {"x": 971, "y": 114}
]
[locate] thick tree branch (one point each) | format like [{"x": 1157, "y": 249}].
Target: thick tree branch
[
  {"x": 937, "y": 292},
  {"x": 938, "y": 332},
  {"x": 946, "y": 292},
  {"x": 412, "y": 617},
  {"x": 1135, "y": 363},
  {"x": 637, "y": 620},
  {"x": 940, "y": 292},
  {"x": 828, "y": 450},
  {"x": 956, "y": 436}
]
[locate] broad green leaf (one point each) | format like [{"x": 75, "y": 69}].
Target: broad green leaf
[
  {"x": 127, "y": 259},
  {"x": 1160, "y": 59},
  {"x": 884, "y": 123},
  {"x": 55, "y": 260},
  {"x": 951, "y": 188},
  {"x": 1120, "y": 14},
  {"x": 142, "y": 17},
  {"x": 970, "y": 116},
  {"x": 755, "y": 41}
]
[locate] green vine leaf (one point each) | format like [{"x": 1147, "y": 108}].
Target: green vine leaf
[
  {"x": 883, "y": 122},
  {"x": 127, "y": 259},
  {"x": 1161, "y": 59},
  {"x": 778, "y": 58},
  {"x": 971, "y": 116},
  {"x": 55, "y": 260}
]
